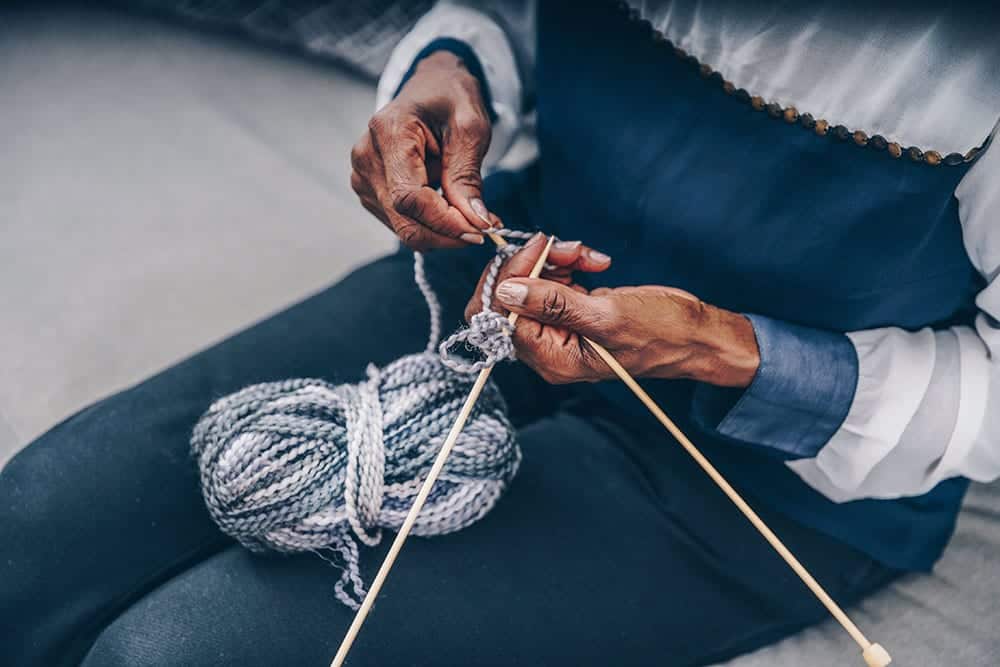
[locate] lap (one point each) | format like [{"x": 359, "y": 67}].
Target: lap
[
  {"x": 585, "y": 560},
  {"x": 107, "y": 505}
]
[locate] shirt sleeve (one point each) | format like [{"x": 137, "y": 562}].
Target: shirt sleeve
[
  {"x": 927, "y": 405},
  {"x": 798, "y": 398},
  {"x": 922, "y": 406},
  {"x": 500, "y": 35}
]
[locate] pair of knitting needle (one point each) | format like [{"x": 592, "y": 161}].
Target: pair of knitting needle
[{"x": 874, "y": 655}]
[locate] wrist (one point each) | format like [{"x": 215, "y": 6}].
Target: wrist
[
  {"x": 725, "y": 353},
  {"x": 442, "y": 71},
  {"x": 439, "y": 62}
]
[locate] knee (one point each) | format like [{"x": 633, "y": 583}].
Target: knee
[
  {"x": 31, "y": 559},
  {"x": 123, "y": 644}
]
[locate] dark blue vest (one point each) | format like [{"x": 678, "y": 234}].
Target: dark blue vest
[{"x": 683, "y": 185}]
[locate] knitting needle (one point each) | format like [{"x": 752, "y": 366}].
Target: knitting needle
[
  {"x": 425, "y": 489},
  {"x": 873, "y": 654}
]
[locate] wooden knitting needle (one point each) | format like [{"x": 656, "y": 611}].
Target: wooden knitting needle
[
  {"x": 873, "y": 654},
  {"x": 425, "y": 489}
]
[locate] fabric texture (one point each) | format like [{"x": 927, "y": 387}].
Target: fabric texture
[{"x": 303, "y": 465}]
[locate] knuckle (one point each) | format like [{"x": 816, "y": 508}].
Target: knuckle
[
  {"x": 406, "y": 201},
  {"x": 610, "y": 317},
  {"x": 471, "y": 124},
  {"x": 554, "y": 307},
  {"x": 359, "y": 155},
  {"x": 412, "y": 236},
  {"x": 467, "y": 175},
  {"x": 358, "y": 183},
  {"x": 380, "y": 121}
]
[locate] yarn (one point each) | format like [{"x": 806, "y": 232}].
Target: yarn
[{"x": 307, "y": 465}]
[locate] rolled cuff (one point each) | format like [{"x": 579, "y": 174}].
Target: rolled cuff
[{"x": 798, "y": 399}]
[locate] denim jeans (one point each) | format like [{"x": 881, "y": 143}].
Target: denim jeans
[{"x": 610, "y": 546}]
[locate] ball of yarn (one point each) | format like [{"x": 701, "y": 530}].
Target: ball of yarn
[{"x": 306, "y": 465}]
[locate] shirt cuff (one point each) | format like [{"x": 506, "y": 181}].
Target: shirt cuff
[
  {"x": 482, "y": 44},
  {"x": 798, "y": 399}
]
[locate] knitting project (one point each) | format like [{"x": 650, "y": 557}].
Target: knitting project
[{"x": 306, "y": 465}]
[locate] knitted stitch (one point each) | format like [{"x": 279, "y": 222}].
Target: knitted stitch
[{"x": 306, "y": 465}]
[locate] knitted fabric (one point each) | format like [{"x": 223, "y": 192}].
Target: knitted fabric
[{"x": 307, "y": 465}]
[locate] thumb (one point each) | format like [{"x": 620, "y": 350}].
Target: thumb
[
  {"x": 554, "y": 303},
  {"x": 461, "y": 168}
]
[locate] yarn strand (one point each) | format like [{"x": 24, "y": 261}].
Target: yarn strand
[
  {"x": 306, "y": 465},
  {"x": 425, "y": 490}
]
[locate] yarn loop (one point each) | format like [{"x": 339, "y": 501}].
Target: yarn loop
[{"x": 307, "y": 465}]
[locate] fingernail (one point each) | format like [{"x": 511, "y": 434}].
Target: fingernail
[
  {"x": 469, "y": 237},
  {"x": 512, "y": 294},
  {"x": 599, "y": 257},
  {"x": 534, "y": 239},
  {"x": 566, "y": 245},
  {"x": 480, "y": 209}
]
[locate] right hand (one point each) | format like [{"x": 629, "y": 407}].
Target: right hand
[{"x": 435, "y": 132}]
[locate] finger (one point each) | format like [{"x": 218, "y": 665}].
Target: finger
[
  {"x": 412, "y": 234},
  {"x": 371, "y": 190},
  {"x": 556, "y": 304},
  {"x": 575, "y": 256},
  {"x": 466, "y": 139},
  {"x": 520, "y": 264},
  {"x": 554, "y": 353},
  {"x": 406, "y": 194}
]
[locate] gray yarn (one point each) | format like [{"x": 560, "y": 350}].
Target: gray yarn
[
  {"x": 489, "y": 332},
  {"x": 307, "y": 465}
]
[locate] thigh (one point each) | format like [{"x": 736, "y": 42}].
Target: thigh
[
  {"x": 107, "y": 504},
  {"x": 583, "y": 562}
]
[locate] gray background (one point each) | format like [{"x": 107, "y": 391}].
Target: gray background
[{"x": 160, "y": 189}]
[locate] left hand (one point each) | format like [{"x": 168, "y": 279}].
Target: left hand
[{"x": 653, "y": 331}]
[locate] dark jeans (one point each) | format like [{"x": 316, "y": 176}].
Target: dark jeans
[{"x": 610, "y": 547}]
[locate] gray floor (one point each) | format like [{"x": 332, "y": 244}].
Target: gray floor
[{"x": 159, "y": 189}]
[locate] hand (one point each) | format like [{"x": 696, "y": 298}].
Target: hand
[
  {"x": 435, "y": 132},
  {"x": 653, "y": 331}
]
